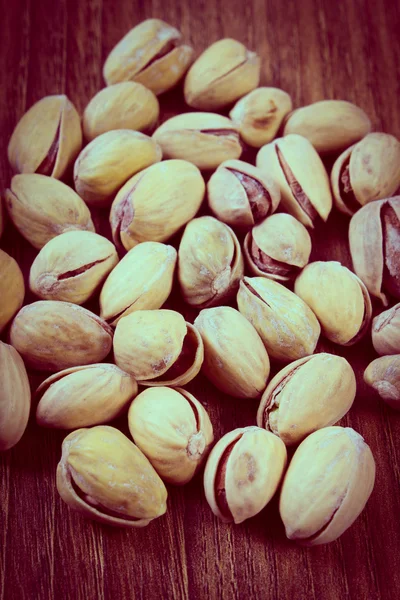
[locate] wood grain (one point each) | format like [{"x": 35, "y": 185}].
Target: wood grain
[{"x": 313, "y": 49}]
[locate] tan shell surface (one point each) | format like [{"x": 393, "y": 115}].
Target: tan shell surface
[
  {"x": 386, "y": 331},
  {"x": 12, "y": 288},
  {"x": 383, "y": 375}
]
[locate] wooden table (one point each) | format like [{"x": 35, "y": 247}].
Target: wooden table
[{"x": 313, "y": 49}]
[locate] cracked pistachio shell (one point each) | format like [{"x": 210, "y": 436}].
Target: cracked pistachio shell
[
  {"x": 243, "y": 472},
  {"x": 105, "y": 164},
  {"x": 52, "y": 335},
  {"x": 156, "y": 203},
  {"x": 235, "y": 359},
  {"x": 374, "y": 236},
  {"x": 310, "y": 393},
  {"x": 42, "y": 207},
  {"x": 125, "y": 105},
  {"x": 287, "y": 326},
  {"x": 259, "y": 115},
  {"x": 241, "y": 195},
  {"x": 204, "y": 139},
  {"x": 104, "y": 476},
  {"x": 326, "y": 486},
  {"x": 210, "y": 262},
  {"x": 383, "y": 375},
  {"x": 15, "y": 397},
  {"x": 224, "y": 72},
  {"x": 330, "y": 125},
  {"x": 47, "y": 138},
  {"x": 338, "y": 298},
  {"x": 386, "y": 331},
  {"x": 72, "y": 266},
  {"x": 173, "y": 430},
  {"x": 277, "y": 248},
  {"x": 152, "y": 54},
  {"x": 302, "y": 178},
  {"x": 142, "y": 280},
  {"x": 158, "y": 347},
  {"x": 84, "y": 396},
  {"x": 12, "y": 288},
  {"x": 368, "y": 171}
]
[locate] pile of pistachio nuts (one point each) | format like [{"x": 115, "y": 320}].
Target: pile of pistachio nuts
[{"x": 235, "y": 266}]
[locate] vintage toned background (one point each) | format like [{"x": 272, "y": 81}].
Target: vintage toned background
[{"x": 313, "y": 49}]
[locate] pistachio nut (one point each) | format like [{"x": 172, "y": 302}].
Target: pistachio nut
[
  {"x": 327, "y": 485},
  {"x": 173, "y": 430},
  {"x": 156, "y": 203},
  {"x": 52, "y": 335},
  {"x": 103, "y": 475},
  {"x": 374, "y": 236},
  {"x": 210, "y": 262},
  {"x": 158, "y": 348},
  {"x": 72, "y": 266},
  {"x": 204, "y": 139},
  {"x": 152, "y": 54},
  {"x": 141, "y": 280},
  {"x": 310, "y": 393},
  {"x": 125, "y": 105},
  {"x": 224, "y": 72},
  {"x": 106, "y": 163},
  {"x": 241, "y": 195},
  {"x": 287, "y": 326},
  {"x": 42, "y": 207},
  {"x": 15, "y": 397},
  {"x": 235, "y": 359},
  {"x": 338, "y": 298},
  {"x": 302, "y": 178},
  {"x": 277, "y": 248},
  {"x": 12, "y": 288},
  {"x": 330, "y": 125},
  {"x": 243, "y": 472},
  {"x": 47, "y": 138},
  {"x": 383, "y": 375},
  {"x": 367, "y": 171},
  {"x": 386, "y": 331},
  {"x": 84, "y": 396},
  {"x": 259, "y": 115}
]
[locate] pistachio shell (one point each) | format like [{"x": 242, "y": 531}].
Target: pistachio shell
[
  {"x": 42, "y": 207},
  {"x": 287, "y": 326},
  {"x": 235, "y": 360},
  {"x": 141, "y": 280},
  {"x": 72, "y": 266},
  {"x": 204, "y": 139},
  {"x": 241, "y": 195},
  {"x": 386, "y": 331},
  {"x": 277, "y": 248},
  {"x": 103, "y": 475},
  {"x": 84, "y": 396},
  {"x": 210, "y": 262},
  {"x": 173, "y": 430},
  {"x": 243, "y": 472},
  {"x": 12, "y": 288},
  {"x": 310, "y": 393},
  {"x": 339, "y": 299},
  {"x": 47, "y": 138},
  {"x": 150, "y": 54},
  {"x": 52, "y": 335},
  {"x": 158, "y": 348},
  {"x": 383, "y": 375},
  {"x": 300, "y": 173},
  {"x": 156, "y": 203},
  {"x": 330, "y": 125},
  {"x": 326, "y": 486},
  {"x": 15, "y": 397},
  {"x": 109, "y": 160},
  {"x": 224, "y": 72},
  {"x": 125, "y": 105},
  {"x": 259, "y": 114}
]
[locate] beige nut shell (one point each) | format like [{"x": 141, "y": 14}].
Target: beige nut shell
[
  {"x": 386, "y": 331},
  {"x": 383, "y": 375},
  {"x": 12, "y": 288}
]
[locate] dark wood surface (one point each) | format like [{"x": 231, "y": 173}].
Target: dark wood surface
[{"x": 313, "y": 49}]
